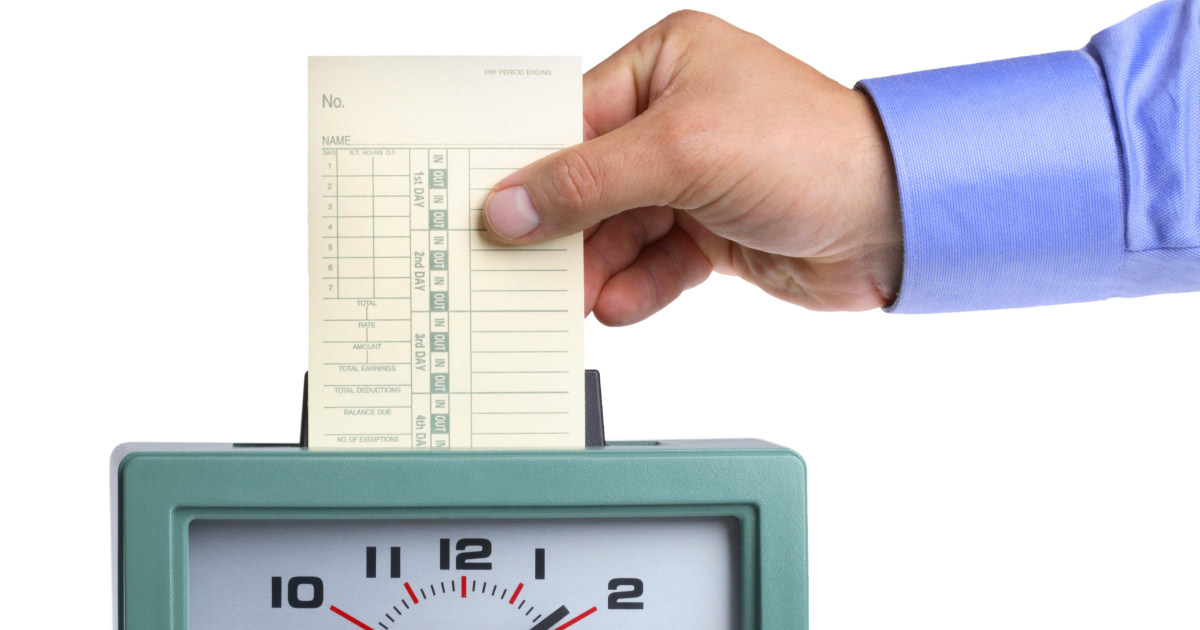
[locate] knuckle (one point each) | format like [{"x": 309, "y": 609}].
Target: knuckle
[
  {"x": 576, "y": 185},
  {"x": 688, "y": 18},
  {"x": 679, "y": 139},
  {"x": 682, "y": 29},
  {"x": 685, "y": 158}
]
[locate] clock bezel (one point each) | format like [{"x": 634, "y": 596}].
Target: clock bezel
[{"x": 160, "y": 488}]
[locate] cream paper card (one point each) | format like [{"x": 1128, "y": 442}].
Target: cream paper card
[{"x": 424, "y": 332}]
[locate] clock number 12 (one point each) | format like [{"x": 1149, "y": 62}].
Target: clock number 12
[{"x": 470, "y": 556}]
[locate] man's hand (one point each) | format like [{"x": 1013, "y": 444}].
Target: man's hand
[{"x": 708, "y": 148}]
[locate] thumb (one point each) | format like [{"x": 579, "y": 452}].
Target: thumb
[{"x": 582, "y": 185}]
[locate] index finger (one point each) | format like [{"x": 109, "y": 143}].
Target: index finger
[{"x": 617, "y": 89}]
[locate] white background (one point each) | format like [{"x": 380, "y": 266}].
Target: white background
[{"x": 1033, "y": 468}]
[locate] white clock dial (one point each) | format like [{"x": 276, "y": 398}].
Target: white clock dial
[{"x": 443, "y": 574}]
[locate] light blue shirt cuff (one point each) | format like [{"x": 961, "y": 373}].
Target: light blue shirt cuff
[{"x": 1010, "y": 183}]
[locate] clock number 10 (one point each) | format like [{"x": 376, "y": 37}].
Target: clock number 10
[{"x": 311, "y": 597}]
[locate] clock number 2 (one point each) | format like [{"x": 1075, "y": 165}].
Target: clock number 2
[{"x": 624, "y": 590}]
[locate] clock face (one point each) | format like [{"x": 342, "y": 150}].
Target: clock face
[{"x": 441, "y": 574}]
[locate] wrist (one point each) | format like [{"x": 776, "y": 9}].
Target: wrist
[{"x": 879, "y": 206}]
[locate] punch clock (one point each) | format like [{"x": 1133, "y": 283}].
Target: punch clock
[{"x": 705, "y": 535}]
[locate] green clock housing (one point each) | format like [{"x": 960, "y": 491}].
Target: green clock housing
[{"x": 701, "y": 534}]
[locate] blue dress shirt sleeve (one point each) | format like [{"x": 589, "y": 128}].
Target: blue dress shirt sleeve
[{"x": 1064, "y": 177}]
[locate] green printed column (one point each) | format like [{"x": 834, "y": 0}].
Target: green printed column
[{"x": 439, "y": 290}]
